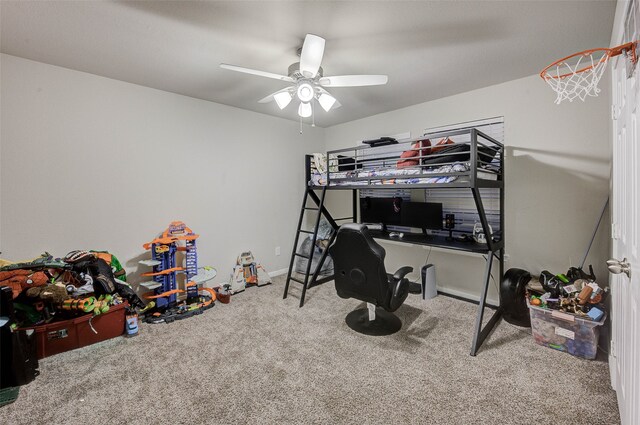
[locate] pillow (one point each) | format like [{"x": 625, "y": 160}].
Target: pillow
[
  {"x": 407, "y": 163},
  {"x": 413, "y": 152},
  {"x": 424, "y": 144},
  {"x": 320, "y": 162},
  {"x": 409, "y": 154},
  {"x": 441, "y": 144}
]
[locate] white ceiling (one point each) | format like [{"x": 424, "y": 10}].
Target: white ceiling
[{"x": 428, "y": 49}]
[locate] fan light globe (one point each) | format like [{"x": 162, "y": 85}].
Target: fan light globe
[
  {"x": 304, "y": 110},
  {"x": 326, "y": 101},
  {"x": 283, "y": 99},
  {"x": 305, "y": 92}
]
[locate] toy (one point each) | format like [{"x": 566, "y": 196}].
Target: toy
[
  {"x": 223, "y": 294},
  {"x": 55, "y": 293},
  {"x": 595, "y": 314},
  {"x": 585, "y": 294},
  {"x": 247, "y": 272},
  {"x": 113, "y": 262},
  {"x": 164, "y": 284},
  {"x": 478, "y": 233},
  {"x": 83, "y": 304},
  {"x": 536, "y": 301},
  {"x": 89, "y": 305},
  {"x": 131, "y": 324},
  {"x": 19, "y": 280}
]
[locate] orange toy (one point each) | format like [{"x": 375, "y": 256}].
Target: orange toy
[{"x": 19, "y": 280}]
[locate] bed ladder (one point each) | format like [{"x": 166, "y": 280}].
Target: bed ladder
[{"x": 310, "y": 279}]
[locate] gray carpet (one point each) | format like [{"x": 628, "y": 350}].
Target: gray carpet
[{"x": 261, "y": 359}]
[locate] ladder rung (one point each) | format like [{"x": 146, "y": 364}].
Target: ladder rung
[
  {"x": 343, "y": 218},
  {"x": 303, "y": 256},
  {"x": 306, "y": 231},
  {"x": 295, "y": 279},
  {"x": 312, "y": 208}
]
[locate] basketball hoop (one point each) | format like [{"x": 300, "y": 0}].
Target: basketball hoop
[{"x": 578, "y": 75}]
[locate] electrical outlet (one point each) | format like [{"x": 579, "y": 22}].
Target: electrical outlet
[{"x": 277, "y": 250}]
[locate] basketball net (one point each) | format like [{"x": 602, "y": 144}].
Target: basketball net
[{"x": 578, "y": 75}]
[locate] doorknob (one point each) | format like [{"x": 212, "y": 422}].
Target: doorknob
[{"x": 618, "y": 266}]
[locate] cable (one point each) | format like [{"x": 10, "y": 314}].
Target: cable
[
  {"x": 491, "y": 274},
  {"x": 426, "y": 262},
  {"x": 428, "y": 255}
]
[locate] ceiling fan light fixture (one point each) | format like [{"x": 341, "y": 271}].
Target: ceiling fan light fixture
[
  {"x": 283, "y": 99},
  {"x": 305, "y": 92},
  {"x": 304, "y": 110},
  {"x": 326, "y": 101}
]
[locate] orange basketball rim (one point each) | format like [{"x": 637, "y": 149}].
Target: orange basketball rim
[{"x": 578, "y": 75}]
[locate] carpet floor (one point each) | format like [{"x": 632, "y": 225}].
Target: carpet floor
[{"x": 263, "y": 360}]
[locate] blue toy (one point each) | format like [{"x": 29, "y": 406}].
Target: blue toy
[
  {"x": 595, "y": 314},
  {"x": 176, "y": 238}
]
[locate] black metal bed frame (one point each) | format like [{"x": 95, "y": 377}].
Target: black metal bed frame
[{"x": 478, "y": 156}]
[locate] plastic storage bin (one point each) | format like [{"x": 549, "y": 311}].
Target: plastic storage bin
[
  {"x": 59, "y": 337},
  {"x": 565, "y": 331}
]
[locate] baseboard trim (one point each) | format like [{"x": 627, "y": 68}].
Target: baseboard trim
[
  {"x": 467, "y": 295},
  {"x": 278, "y": 272},
  {"x": 612, "y": 373}
]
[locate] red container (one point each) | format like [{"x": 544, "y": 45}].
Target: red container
[{"x": 59, "y": 337}]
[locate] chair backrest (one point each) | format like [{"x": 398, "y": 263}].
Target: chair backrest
[{"x": 359, "y": 265}]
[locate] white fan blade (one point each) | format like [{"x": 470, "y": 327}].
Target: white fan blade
[
  {"x": 311, "y": 55},
  {"x": 353, "y": 80},
  {"x": 256, "y": 72},
  {"x": 269, "y": 98}
]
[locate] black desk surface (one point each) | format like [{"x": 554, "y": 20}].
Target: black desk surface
[{"x": 431, "y": 240}]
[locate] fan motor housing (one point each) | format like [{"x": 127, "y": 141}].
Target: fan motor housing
[{"x": 294, "y": 71}]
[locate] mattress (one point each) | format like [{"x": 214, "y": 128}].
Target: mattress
[{"x": 400, "y": 176}]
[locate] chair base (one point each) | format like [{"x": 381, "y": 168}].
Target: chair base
[
  {"x": 415, "y": 288},
  {"x": 385, "y": 323}
]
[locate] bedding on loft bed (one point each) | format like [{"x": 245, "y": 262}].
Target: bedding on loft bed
[
  {"x": 407, "y": 170},
  {"x": 398, "y": 175}
]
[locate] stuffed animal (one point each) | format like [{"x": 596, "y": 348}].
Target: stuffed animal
[
  {"x": 55, "y": 293},
  {"x": 19, "y": 280}
]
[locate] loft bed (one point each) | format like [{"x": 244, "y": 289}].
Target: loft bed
[
  {"x": 456, "y": 159},
  {"x": 462, "y": 158}
]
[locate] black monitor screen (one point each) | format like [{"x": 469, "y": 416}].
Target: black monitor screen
[
  {"x": 380, "y": 210},
  {"x": 422, "y": 215}
]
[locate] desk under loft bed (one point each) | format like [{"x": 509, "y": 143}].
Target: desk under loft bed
[{"x": 469, "y": 162}]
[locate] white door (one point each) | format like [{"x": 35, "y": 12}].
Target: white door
[{"x": 624, "y": 358}]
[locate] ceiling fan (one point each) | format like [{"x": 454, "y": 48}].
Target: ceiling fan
[{"x": 308, "y": 81}]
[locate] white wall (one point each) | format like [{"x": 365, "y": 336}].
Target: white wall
[
  {"x": 93, "y": 163},
  {"x": 557, "y": 176},
  {"x": 89, "y": 162}
]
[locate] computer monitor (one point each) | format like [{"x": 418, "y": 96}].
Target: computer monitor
[
  {"x": 422, "y": 215},
  {"x": 380, "y": 210}
]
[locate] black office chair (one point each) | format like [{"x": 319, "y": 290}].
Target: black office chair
[{"x": 360, "y": 274}]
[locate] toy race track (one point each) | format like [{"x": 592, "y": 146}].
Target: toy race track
[{"x": 171, "y": 302}]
